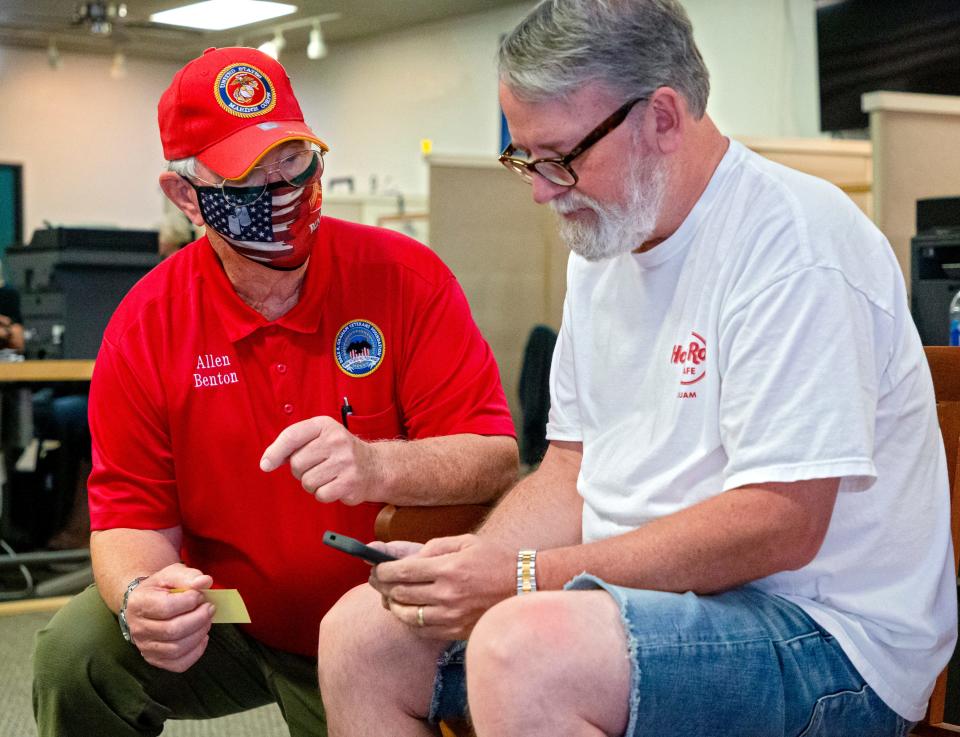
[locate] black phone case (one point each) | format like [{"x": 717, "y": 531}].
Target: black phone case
[{"x": 355, "y": 547}]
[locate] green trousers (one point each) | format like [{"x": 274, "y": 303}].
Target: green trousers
[{"x": 88, "y": 680}]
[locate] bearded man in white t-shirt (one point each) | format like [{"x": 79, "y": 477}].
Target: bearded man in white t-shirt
[{"x": 741, "y": 526}]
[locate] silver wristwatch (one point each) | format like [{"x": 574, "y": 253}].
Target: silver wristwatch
[{"x": 124, "y": 627}]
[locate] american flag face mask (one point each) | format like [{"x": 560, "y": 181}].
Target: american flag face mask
[{"x": 273, "y": 226}]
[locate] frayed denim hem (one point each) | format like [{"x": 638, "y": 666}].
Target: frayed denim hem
[
  {"x": 587, "y": 581},
  {"x": 449, "y": 685}
]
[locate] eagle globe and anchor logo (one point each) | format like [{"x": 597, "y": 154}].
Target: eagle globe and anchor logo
[
  {"x": 692, "y": 359},
  {"x": 244, "y": 91},
  {"x": 359, "y": 348}
]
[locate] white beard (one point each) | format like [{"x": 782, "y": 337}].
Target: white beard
[{"x": 611, "y": 230}]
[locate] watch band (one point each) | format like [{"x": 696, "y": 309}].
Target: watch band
[
  {"x": 526, "y": 572},
  {"x": 122, "y": 616}
]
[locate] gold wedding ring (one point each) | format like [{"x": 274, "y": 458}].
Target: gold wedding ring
[{"x": 420, "y": 616}]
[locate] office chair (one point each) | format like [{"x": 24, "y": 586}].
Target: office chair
[
  {"x": 945, "y": 368},
  {"x": 534, "y": 391}
]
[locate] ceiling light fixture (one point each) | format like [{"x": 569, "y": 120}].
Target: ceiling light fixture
[
  {"x": 219, "y": 15},
  {"x": 317, "y": 48},
  {"x": 274, "y": 46},
  {"x": 53, "y": 55},
  {"x": 118, "y": 69}
]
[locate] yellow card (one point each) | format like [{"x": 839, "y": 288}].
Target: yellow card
[{"x": 229, "y": 604}]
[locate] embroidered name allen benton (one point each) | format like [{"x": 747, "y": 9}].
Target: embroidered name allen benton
[{"x": 209, "y": 361}]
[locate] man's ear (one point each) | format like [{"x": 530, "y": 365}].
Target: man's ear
[
  {"x": 179, "y": 192},
  {"x": 667, "y": 118}
]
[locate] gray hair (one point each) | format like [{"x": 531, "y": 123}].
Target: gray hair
[
  {"x": 175, "y": 228},
  {"x": 631, "y": 46},
  {"x": 184, "y": 167}
]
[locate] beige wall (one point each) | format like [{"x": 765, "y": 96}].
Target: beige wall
[
  {"x": 88, "y": 143},
  {"x": 762, "y": 58},
  {"x": 848, "y": 164},
  {"x": 504, "y": 250},
  {"x": 374, "y": 100},
  {"x": 916, "y": 140}
]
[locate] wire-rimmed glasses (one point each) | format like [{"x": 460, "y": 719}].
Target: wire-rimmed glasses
[{"x": 295, "y": 170}]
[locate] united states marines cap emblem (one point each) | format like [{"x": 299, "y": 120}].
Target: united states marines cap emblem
[
  {"x": 359, "y": 348},
  {"x": 244, "y": 91}
]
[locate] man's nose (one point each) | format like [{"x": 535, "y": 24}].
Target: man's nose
[
  {"x": 273, "y": 173},
  {"x": 545, "y": 190}
]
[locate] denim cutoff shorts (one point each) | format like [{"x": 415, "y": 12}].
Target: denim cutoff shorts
[{"x": 742, "y": 663}]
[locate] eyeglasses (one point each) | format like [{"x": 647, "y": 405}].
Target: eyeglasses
[
  {"x": 295, "y": 170},
  {"x": 557, "y": 169}
]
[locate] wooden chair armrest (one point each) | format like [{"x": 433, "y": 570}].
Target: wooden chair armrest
[
  {"x": 935, "y": 730},
  {"x": 456, "y": 729},
  {"x": 419, "y": 524}
]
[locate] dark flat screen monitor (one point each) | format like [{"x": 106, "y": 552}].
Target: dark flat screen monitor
[{"x": 893, "y": 45}]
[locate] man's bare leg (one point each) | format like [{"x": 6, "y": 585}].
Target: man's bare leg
[
  {"x": 554, "y": 663},
  {"x": 376, "y": 675}
]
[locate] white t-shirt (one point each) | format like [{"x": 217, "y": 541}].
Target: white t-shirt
[{"x": 769, "y": 340}]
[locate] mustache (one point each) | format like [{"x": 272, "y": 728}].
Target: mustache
[{"x": 573, "y": 201}]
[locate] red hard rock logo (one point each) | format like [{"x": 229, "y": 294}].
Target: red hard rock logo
[{"x": 691, "y": 357}]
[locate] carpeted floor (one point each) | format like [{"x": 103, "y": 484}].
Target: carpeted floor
[{"x": 16, "y": 713}]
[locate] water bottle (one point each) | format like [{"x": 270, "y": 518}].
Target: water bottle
[{"x": 955, "y": 319}]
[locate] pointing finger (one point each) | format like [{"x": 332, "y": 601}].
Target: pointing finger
[{"x": 292, "y": 439}]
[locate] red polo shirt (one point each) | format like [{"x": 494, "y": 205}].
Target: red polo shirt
[{"x": 191, "y": 385}]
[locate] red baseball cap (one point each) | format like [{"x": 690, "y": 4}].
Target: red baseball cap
[{"x": 228, "y": 108}]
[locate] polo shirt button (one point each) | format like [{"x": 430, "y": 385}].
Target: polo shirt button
[
  {"x": 288, "y": 408},
  {"x": 281, "y": 368}
]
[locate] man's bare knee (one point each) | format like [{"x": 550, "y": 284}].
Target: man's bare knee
[
  {"x": 351, "y": 630},
  {"x": 361, "y": 642},
  {"x": 506, "y": 640},
  {"x": 530, "y": 656}
]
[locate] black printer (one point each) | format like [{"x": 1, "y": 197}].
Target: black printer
[
  {"x": 935, "y": 267},
  {"x": 71, "y": 280}
]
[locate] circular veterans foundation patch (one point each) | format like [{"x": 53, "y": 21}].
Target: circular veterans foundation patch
[{"x": 359, "y": 348}]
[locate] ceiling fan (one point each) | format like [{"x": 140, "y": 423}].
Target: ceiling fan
[
  {"x": 110, "y": 19},
  {"x": 99, "y": 17},
  {"x": 108, "y": 26},
  {"x": 90, "y": 22}
]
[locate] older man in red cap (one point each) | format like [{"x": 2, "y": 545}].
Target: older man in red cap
[{"x": 278, "y": 338}]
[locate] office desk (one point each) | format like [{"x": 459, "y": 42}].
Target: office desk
[
  {"x": 17, "y": 378},
  {"x": 13, "y": 373},
  {"x": 41, "y": 372}
]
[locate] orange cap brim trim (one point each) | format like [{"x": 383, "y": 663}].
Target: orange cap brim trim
[{"x": 236, "y": 155}]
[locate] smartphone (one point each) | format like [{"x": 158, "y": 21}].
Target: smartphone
[{"x": 355, "y": 548}]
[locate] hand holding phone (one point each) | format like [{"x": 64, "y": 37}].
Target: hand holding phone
[{"x": 356, "y": 548}]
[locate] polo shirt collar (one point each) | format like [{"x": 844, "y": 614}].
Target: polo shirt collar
[{"x": 240, "y": 320}]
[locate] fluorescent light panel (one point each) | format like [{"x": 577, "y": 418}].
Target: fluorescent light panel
[{"x": 219, "y": 15}]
